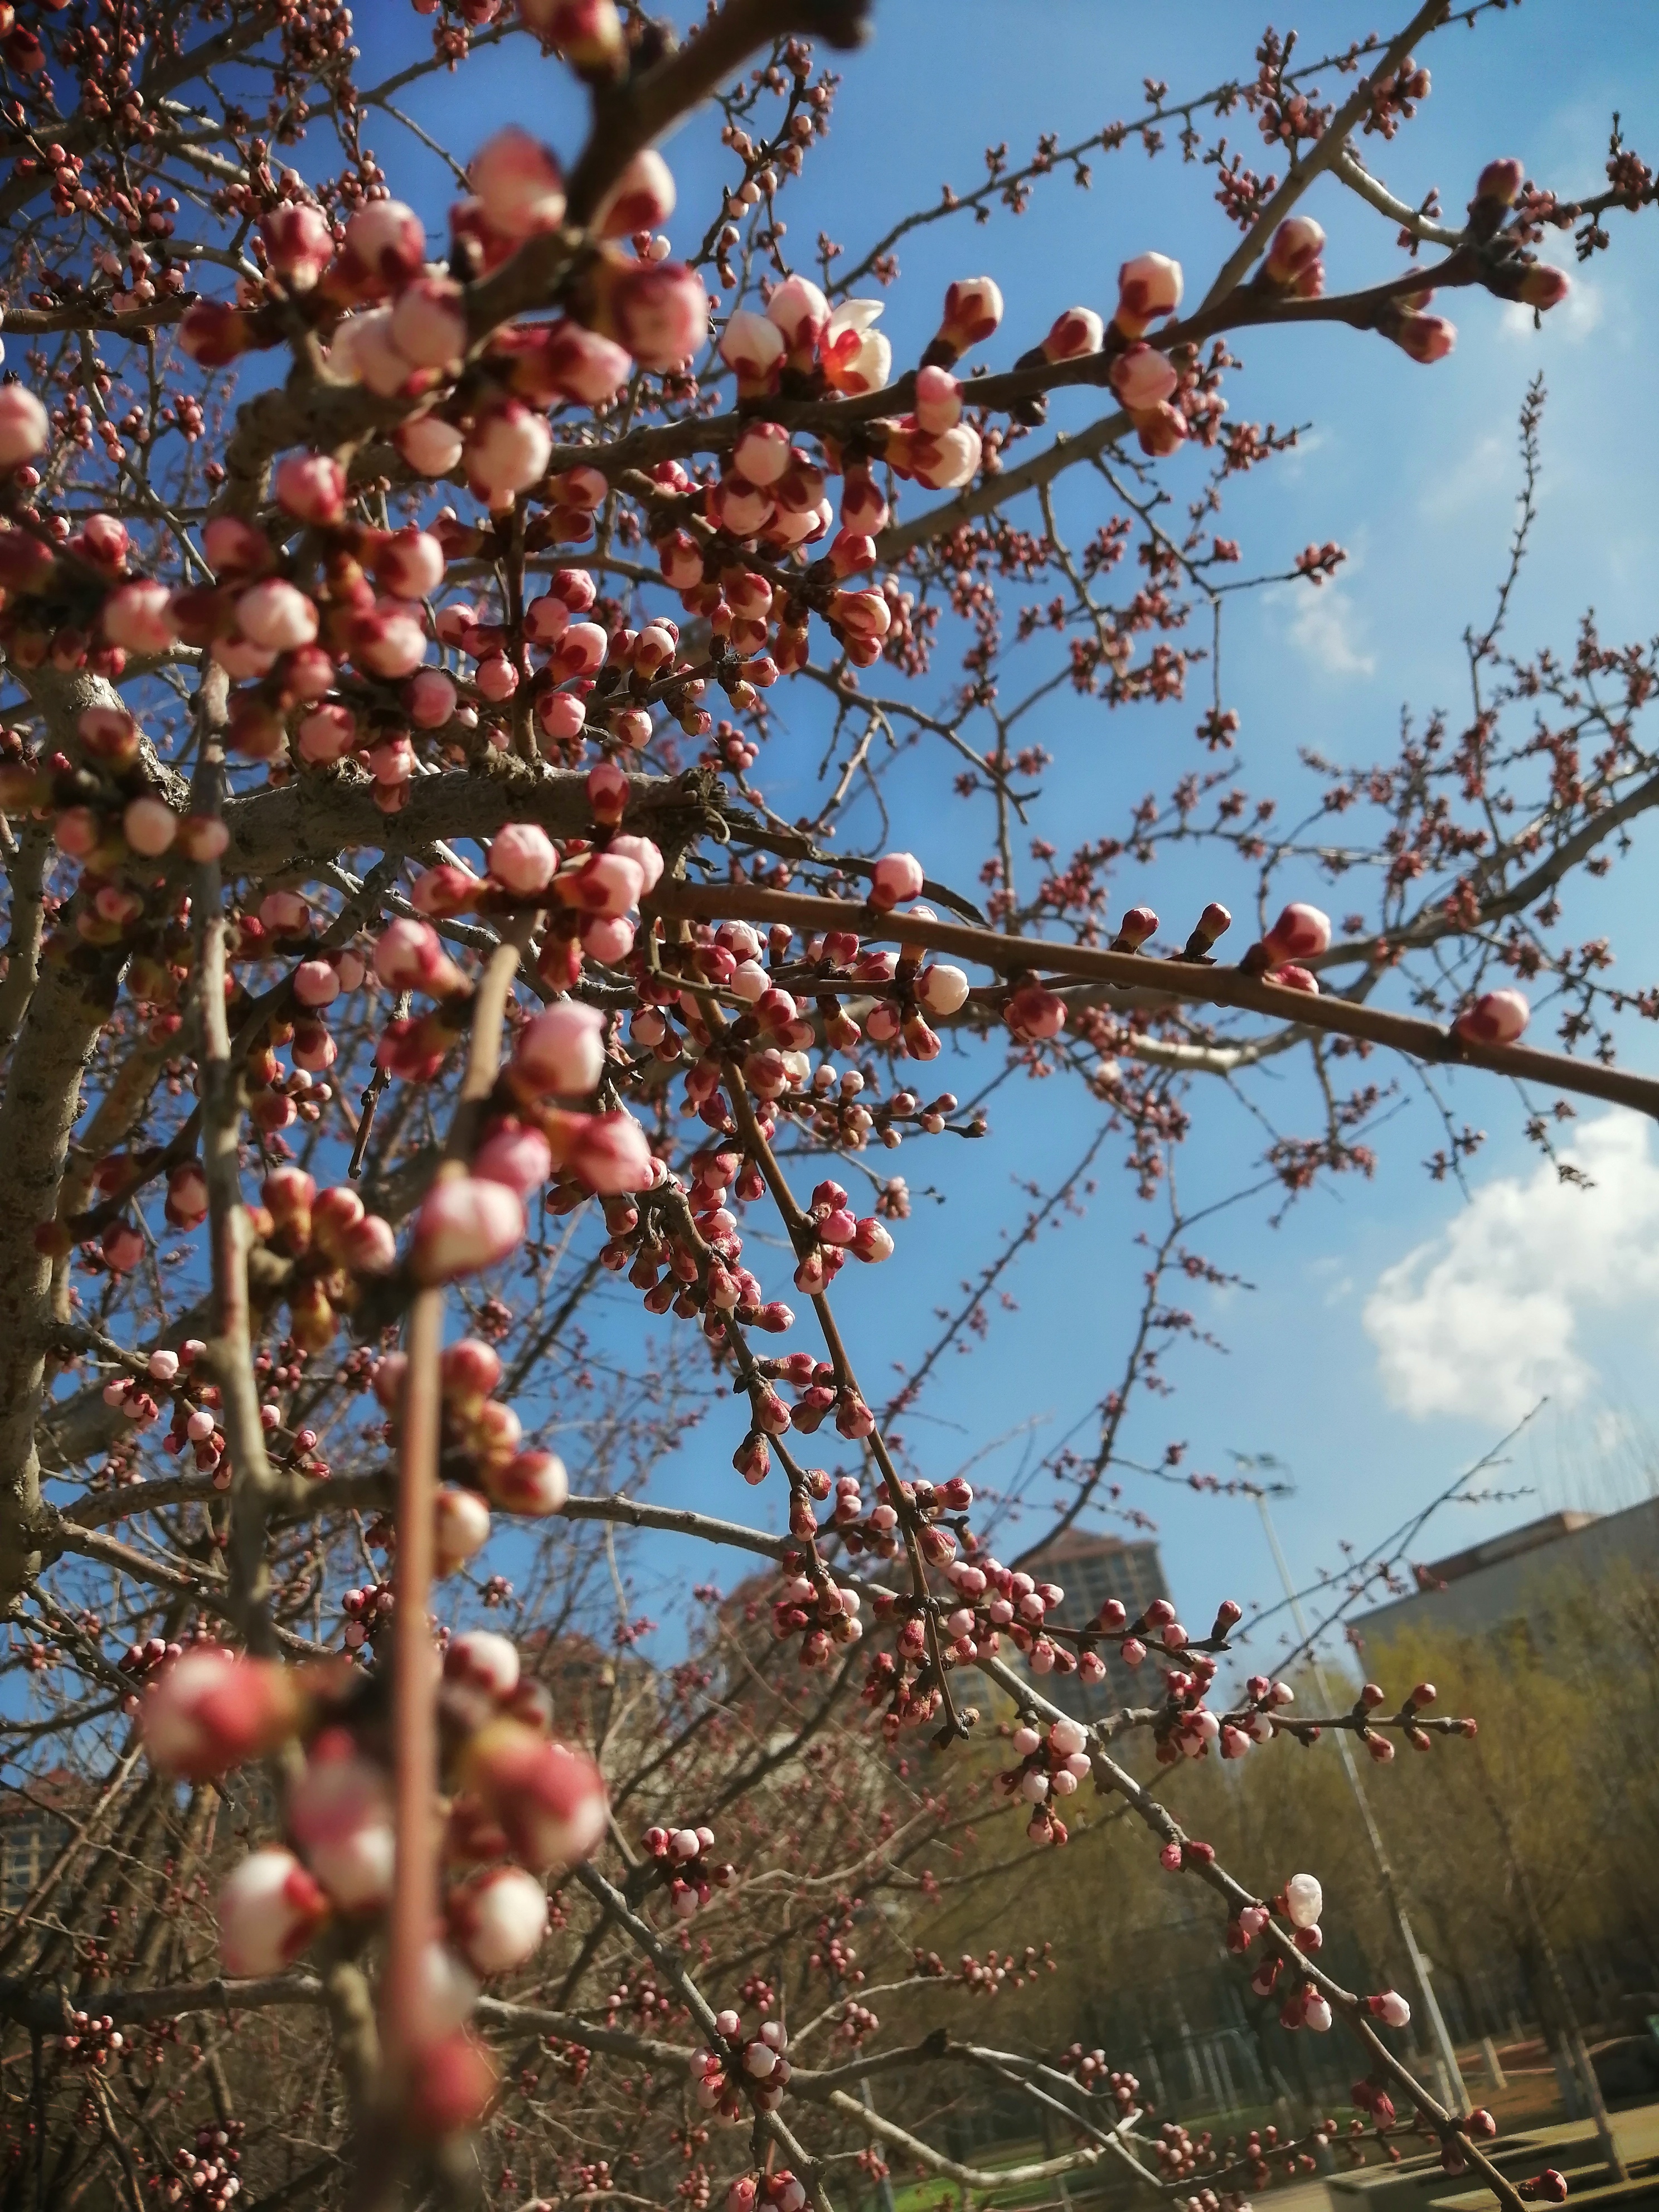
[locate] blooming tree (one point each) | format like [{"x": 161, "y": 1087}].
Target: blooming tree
[{"x": 407, "y": 981}]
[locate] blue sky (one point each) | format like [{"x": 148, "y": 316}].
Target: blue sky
[{"x": 1337, "y": 1360}]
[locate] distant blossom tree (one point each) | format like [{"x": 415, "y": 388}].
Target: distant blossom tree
[{"x": 407, "y": 979}]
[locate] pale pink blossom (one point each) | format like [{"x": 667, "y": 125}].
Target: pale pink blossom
[
  {"x": 522, "y": 858},
  {"x": 642, "y": 197},
  {"x": 1495, "y": 1018},
  {"x": 137, "y": 616},
  {"x": 1142, "y": 376},
  {"x": 277, "y": 615},
  {"x": 753, "y": 346},
  {"x": 507, "y": 452},
  {"x": 209, "y": 1710},
  {"x": 1078, "y": 332},
  {"x": 661, "y": 313},
  {"x": 1148, "y": 287},
  {"x": 429, "y": 445},
  {"x": 855, "y": 357},
  {"x": 464, "y": 1223},
  {"x": 460, "y": 1525},
  {"x": 25, "y": 426},
  {"x": 518, "y": 1157},
  {"x": 312, "y": 488},
  {"x": 562, "y": 1050},
  {"x": 549, "y": 1799},
  {"x": 269, "y": 1908},
  {"x": 498, "y": 1918},
  {"x": 531, "y": 1482},
  {"x": 519, "y": 184}
]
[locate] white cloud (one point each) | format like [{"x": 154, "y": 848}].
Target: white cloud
[
  {"x": 1327, "y": 628},
  {"x": 1483, "y": 1319},
  {"x": 1488, "y": 466}
]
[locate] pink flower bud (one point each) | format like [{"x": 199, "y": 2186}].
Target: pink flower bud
[
  {"x": 608, "y": 1152},
  {"x": 800, "y": 311},
  {"x": 429, "y": 699},
  {"x": 1297, "y": 244},
  {"x": 1148, "y": 287},
  {"x": 211, "y": 333},
  {"x": 150, "y": 826},
  {"x": 754, "y": 347},
  {"x": 25, "y": 426},
  {"x": 761, "y": 454},
  {"x": 896, "y": 880},
  {"x": 562, "y": 1050},
  {"x": 210, "y": 1710},
  {"x": 1495, "y": 1018},
  {"x": 1301, "y": 933},
  {"x": 642, "y": 197},
  {"x": 587, "y": 32},
  {"x": 548, "y": 1800},
  {"x": 660, "y": 312},
  {"x": 277, "y": 615},
  {"x": 946, "y": 462},
  {"x": 388, "y": 642},
  {"x": 507, "y": 452},
  {"x": 1391, "y": 2008},
  {"x": 519, "y": 184},
  {"x": 429, "y": 445},
  {"x": 498, "y": 1918},
  {"x": 1500, "y": 182},
  {"x": 938, "y": 401},
  {"x": 386, "y": 244},
  {"x": 327, "y": 734},
  {"x": 452, "y": 2080},
  {"x": 584, "y": 366},
  {"x": 408, "y": 956},
  {"x": 1161, "y": 430},
  {"x": 460, "y": 1526},
  {"x": 1317, "y": 2013},
  {"x": 610, "y": 883},
  {"x": 608, "y": 940},
  {"x": 517, "y": 1157},
  {"x": 973, "y": 309},
  {"x": 1142, "y": 377},
  {"x": 534, "y": 1482},
  {"x": 316, "y": 983},
  {"x": 1033, "y": 1012},
  {"x": 299, "y": 243},
  {"x": 312, "y": 488},
  {"x": 581, "y": 650},
  {"x": 871, "y": 1240},
  {"x": 1078, "y": 332},
  {"x": 338, "y": 1812},
  {"x": 1543, "y": 288},
  {"x": 409, "y": 564},
  {"x": 370, "y": 1247},
  {"x": 464, "y": 1223},
  {"x": 1425, "y": 338},
  {"x": 137, "y": 618},
  {"x": 269, "y": 1908},
  {"x": 522, "y": 858}
]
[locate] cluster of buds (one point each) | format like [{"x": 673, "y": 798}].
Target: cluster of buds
[
  {"x": 745, "y": 2075},
  {"x": 994, "y": 1601},
  {"x": 781, "y": 2191},
  {"x": 829, "y": 1234},
  {"x": 923, "y": 1508},
  {"x": 204, "y": 2179},
  {"x": 1090, "y": 2070},
  {"x": 93, "y": 2040},
  {"x": 331, "y": 1241},
  {"x": 481, "y": 1448},
  {"x": 680, "y": 1858},
  {"x": 368, "y": 1609},
  {"x": 826, "y": 1617},
  {"x": 174, "y": 1378},
  {"x": 988, "y": 1976},
  {"x": 1049, "y": 1767},
  {"x": 513, "y": 1792}
]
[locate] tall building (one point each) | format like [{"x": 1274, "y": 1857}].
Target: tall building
[
  {"x": 1519, "y": 1578},
  {"x": 1091, "y": 1568}
]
